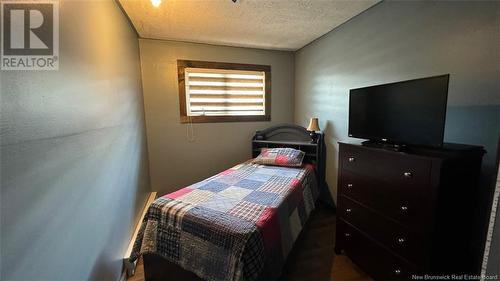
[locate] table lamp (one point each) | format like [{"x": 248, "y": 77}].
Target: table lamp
[{"x": 312, "y": 128}]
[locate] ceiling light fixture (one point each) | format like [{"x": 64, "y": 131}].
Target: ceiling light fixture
[{"x": 156, "y": 3}]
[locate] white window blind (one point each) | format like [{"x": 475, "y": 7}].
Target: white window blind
[{"x": 221, "y": 92}]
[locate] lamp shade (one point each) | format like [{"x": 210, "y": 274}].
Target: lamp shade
[{"x": 313, "y": 125}]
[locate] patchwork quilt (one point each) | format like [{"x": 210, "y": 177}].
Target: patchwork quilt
[{"x": 237, "y": 225}]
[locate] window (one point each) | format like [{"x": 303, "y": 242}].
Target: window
[{"x": 223, "y": 92}]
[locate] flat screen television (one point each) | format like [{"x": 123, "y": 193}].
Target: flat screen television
[{"x": 404, "y": 113}]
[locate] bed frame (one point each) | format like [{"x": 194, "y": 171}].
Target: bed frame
[
  {"x": 289, "y": 135},
  {"x": 157, "y": 268}
]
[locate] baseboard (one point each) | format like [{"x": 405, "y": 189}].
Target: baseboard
[{"x": 129, "y": 267}]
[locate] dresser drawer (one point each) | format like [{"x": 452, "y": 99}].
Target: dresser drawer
[
  {"x": 392, "y": 167},
  {"x": 409, "y": 244},
  {"x": 377, "y": 261},
  {"x": 409, "y": 205}
]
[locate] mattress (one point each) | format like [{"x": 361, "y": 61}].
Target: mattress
[{"x": 237, "y": 225}]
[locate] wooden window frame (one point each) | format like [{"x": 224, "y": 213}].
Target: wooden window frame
[{"x": 183, "y": 64}]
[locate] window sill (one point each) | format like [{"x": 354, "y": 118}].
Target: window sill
[{"x": 218, "y": 119}]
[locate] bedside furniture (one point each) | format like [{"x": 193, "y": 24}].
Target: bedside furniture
[{"x": 408, "y": 213}]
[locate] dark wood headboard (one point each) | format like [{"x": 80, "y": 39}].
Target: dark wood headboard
[{"x": 289, "y": 135}]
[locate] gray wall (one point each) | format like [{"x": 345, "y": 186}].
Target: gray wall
[
  {"x": 176, "y": 162},
  {"x": 74, "y": 169},
  {"x": 398, "y": 40}
]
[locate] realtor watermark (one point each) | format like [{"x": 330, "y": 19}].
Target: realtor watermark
[
  {"x": 454, "y": 277},
  {"x": 30, "y": 35}
]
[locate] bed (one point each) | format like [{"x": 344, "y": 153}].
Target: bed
[{"x": 240, "y": 224}]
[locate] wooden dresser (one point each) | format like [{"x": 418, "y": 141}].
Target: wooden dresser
[{"x": 408, "y": 213}]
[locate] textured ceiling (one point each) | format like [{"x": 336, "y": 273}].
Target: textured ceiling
[{"x": 267, "y": 24}]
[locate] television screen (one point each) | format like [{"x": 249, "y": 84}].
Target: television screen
[{"x": 407, "y": 112}]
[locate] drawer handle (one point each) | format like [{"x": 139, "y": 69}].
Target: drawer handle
[
  {"x": 408, "y": 175},
  {"x": 351, "y": 159},
  {"x": 397, "y": 271},
  {"x": 348, "y": 210},
  {"x": 349, "y": 185},
  {"x": 401, "y": 241},
  {"x": 404, "y": 209}
]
